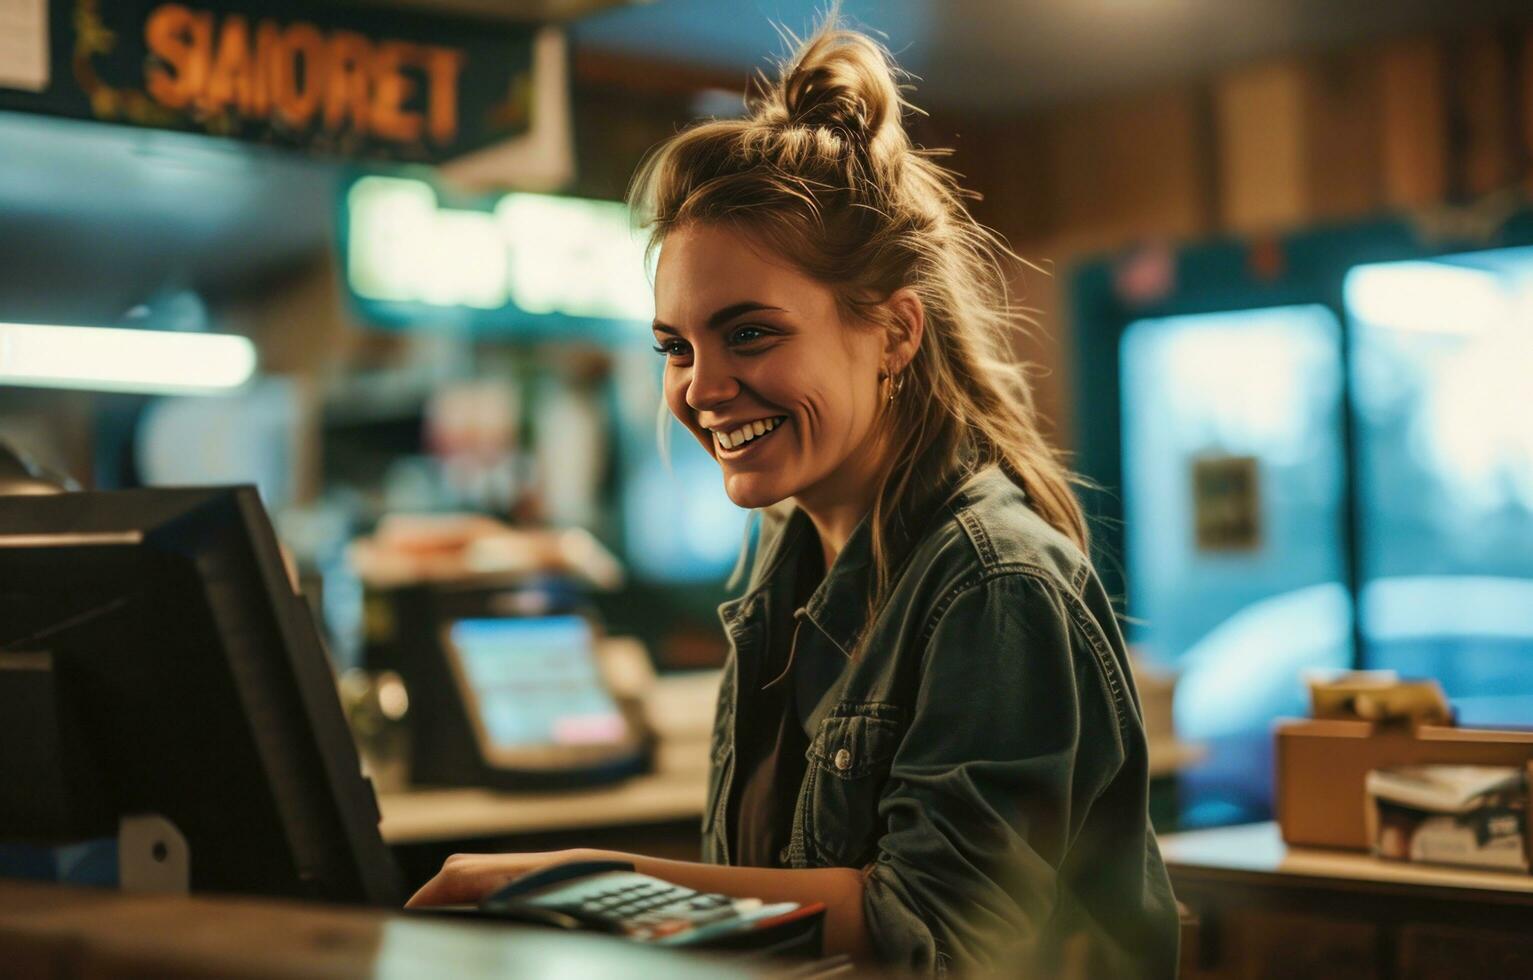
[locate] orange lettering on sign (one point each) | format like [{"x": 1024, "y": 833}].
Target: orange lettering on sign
[
  {"x": 233, "y": 77},
  {"x": 392, "y": 88},
  {"x": 442, "y": 68},
  {"x": 346, "y": 80},
  {"x": 268, "y": 53},
  {"x": 297, "y": 73},
  {"x": 201, "y": 63},
  {"x": 168, "y": 35}
]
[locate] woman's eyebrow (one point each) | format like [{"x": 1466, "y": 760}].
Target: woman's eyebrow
[{"x": 720, "y": 317}]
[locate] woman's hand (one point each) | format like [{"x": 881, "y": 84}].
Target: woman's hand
[{"x": 467, "y": 878}]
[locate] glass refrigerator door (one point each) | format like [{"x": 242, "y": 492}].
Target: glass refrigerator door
[
  {"x": 1233, "y": 476},
  {"x": 1442, "y": 379}
]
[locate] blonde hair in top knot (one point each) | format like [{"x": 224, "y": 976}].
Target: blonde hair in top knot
[
  {"x": 822, "y": 173},
  {"x": 842, "y": 83}
]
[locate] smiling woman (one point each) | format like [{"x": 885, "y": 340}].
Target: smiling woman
[
  {"x": 927, "y": 720},
  {"x": 778, "y": 358}
]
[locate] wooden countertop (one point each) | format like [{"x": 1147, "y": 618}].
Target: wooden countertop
[
  {"x": 1259, "y": 849},
  {"x": 676, "y": 792},
  {"x": 60, "y": 932},
  {"x": 426, "y": 815}
]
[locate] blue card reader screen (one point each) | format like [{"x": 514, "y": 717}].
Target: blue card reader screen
[{"x": 537, "y": 681}]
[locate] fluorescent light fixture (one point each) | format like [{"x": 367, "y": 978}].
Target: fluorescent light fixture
[{"x": 106, "y": 359}]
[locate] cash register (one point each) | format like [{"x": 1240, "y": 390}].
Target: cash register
[{"x": 165, "y": 699}]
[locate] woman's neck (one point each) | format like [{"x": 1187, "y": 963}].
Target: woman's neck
[
  {"x": 839, "y": 502},
  {"x": 835, "y": 524}
]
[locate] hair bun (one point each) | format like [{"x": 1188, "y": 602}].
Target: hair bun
[{"x": 841, "y": 80}]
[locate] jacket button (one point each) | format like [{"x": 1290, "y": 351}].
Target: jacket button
[{"x": 843, "y": 759}]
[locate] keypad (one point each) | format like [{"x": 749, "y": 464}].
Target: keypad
[{"x": 648, "y": 907}]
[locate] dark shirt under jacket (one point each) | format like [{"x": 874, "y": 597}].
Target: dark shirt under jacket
[
  {"x": 982, "y": 759},
  {"x": 773, "y": 741}
]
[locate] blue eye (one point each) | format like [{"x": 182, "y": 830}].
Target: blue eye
[{"x": 746, "y": 334}]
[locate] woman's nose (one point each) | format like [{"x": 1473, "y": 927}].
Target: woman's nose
[{"x": 712, "y": 383}]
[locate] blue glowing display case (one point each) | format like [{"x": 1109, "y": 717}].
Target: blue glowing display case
[{"x": 1313, "y": 452}]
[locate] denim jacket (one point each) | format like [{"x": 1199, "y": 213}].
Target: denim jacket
[{"x": 982, "y": 759}]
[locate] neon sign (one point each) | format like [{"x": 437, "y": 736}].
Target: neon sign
[{"x": 533, "y": 254}]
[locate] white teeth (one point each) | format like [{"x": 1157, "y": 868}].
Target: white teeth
[{"x": 745, "y": 433}]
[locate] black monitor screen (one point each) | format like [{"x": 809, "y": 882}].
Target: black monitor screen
[{"x": 189, "y": 683}]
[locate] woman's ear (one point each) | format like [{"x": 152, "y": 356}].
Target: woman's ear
[{"x": 907, "y": 322}]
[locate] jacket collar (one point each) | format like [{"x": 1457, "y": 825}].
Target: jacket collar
[{"x": 839, "y": 606}]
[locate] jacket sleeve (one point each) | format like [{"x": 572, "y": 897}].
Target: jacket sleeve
[{"x": 1015, "y": 732}]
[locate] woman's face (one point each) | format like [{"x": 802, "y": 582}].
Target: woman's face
[{"x": 761, "y": 368}]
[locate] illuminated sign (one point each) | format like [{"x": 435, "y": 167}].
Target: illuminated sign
[
  {"x": 337, "y": 78},
  {"x": 525, "y": 255},
  {"x": 294, "y": 73}
]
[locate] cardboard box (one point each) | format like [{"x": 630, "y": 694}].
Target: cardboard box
[{"x": 1322, "y": 767}]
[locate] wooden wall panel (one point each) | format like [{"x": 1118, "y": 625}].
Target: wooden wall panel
[
  {"x": 1003, "y": 161},
  {"x": 1343, "y": 136},
  {"x": 1263, "y": 152},
  {"x": 1130, "y": 168},
  {"x": 1413, "y": 123},
  {"x": 1482, "y": 85},
  {"x": 1524, "y": 125},
  {"x": 1077, "y": 179}
]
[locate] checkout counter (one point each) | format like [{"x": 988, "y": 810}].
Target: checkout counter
[
  {"x": 1400, "y": 849},
  {"x": 57, "y": 932},
  {"x": 1264, "y": 908},
  {"x": 187, "y": 589},
  {"x": 170, "y": 730}
]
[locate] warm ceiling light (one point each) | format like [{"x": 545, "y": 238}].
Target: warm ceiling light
[{"x": 104, "y": 359}]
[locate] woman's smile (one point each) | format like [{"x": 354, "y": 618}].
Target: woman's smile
[{"x": 732, "y": 442}]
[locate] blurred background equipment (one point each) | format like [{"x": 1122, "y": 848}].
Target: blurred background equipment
[{"x": 488, "y": 630}]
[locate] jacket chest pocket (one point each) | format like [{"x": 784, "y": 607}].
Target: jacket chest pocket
[{"x": 837, "y": 823}]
